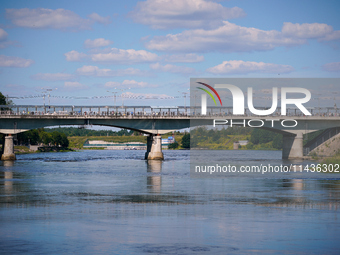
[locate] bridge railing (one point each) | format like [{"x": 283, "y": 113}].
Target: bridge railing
[
  {"x": 320, "y": 139},
  {"x": 148, "y": 111}
]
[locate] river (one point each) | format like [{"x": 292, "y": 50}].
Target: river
[{"x": 113, "y": 202}]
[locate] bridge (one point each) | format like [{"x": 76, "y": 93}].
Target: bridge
[{"x": 157, "y": 120}]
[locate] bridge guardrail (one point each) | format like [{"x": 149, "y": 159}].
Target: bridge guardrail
[{"x": 146, "y": 111}]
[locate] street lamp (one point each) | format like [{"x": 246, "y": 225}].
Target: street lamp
[
  {"x": 185, "y": 99},
  {"x": 122, "y": 90},
  {"x": 47, "y": 91},
  {"x": 115, "y": 95}
]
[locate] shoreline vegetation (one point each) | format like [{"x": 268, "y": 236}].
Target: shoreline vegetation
[
  {"x": 335, "y": 160},
  {"x": 72, "y": 139}
]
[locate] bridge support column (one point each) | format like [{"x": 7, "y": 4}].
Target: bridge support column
[
  {"x": 8, "y": 149},
  {"x": 292, "y": 146},
  {"x": 154, "y": 148}
]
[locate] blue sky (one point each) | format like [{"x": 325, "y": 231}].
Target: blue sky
[{"x": 150, "y": 49}]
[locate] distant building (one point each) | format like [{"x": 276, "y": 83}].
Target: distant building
[
  {"x": 243, "y": 142},
  {"x": 166, "y": 142},
  {"x": 115, "y": 146}
]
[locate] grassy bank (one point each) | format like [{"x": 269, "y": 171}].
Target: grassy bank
[
  {"x": 22, "y": 150},
  {"x": 18, "y": 150},
  {"x": 77, "y": 142},
  {"x": 227, "y": 143},
  {"x": 333, "y": 164}
]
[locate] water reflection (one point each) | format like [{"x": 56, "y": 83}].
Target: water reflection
[
  {"x": 8, "y": 183},
  {"x": 8, "y": 163},
  {"x": 298, "y": 184},
  {"x": 154, "y": 181},
  {"x": 305, "y": 193},
  {"x": 113, "y": 201}
]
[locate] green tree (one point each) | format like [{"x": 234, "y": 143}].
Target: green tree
[
  {"x": 186, "y": 141},
  {"x": 3, "y": 100},
  {"x": 255, "y": 136},
  {"x": 173, "y": 145},
  {"x": 34, "y": 137},
  {"x": 261, "y": 136},
  {"x": 56, "y": 138},
  {"x": 277, "y": 142},
  {"x": 64, "y": 141},
  {"x": 45, "y": 138}
]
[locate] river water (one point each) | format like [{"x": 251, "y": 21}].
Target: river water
[{"x": 113, "y": 202}]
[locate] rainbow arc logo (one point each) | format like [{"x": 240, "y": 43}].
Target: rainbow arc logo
[
  {"x": 204, "y": 97},
  {"x": 209, "y": 93}
]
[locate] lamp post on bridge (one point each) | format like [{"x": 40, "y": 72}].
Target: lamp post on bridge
[
  {"x": 47, "y": 91},
  {"x": 122, "y": 90},
  {"x": 335, "y": 107},
  {"x": 185, "y": 99},
  {"x": 114, "y": 95}
]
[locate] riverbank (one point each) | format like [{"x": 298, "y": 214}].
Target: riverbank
[
  {"x": 20, "y": 149},
  {"x": 77, "y": 142},
  {"x": 332, "y": 164}
]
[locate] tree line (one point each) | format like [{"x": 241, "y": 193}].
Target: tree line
[
  {"x": 185, "y": 142},
  {"x": 37, "y": 136},
  {"x": 73, "y": 131},
  {"x": 255, "y": 136}
]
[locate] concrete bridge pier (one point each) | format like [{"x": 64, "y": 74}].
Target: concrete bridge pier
[
  {"x": 293, "y": 146},
  {"x": 154, "y": 148},
  {"x": 8, "y": 148}
]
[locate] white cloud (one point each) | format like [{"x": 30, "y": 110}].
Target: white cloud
[
  {"x": 7, "y": 61},
  {"x": 114, "y": 56},
  {"x": 124, "y": 56},
  {"x": 147, "y": 95},
  {"x": 172, "y": 68},
  {"x": 133, "y": 83},
  {"x": 306, "y": 30},
  {"x": 335, "y": 35},
  {"x": 120, "y": 56},
  {"x": 75, "y": 56},
  {"x": 168, "y": 14},
  {"x": 3, "y": 34},
  {"x": 227, "y": 38},
  {"x": 184, "y": 58},
  {"x": 96, "y": 17},
  {"x": 3, "y": 39},
  {"x": 136, "y": 84},
  {"x": 234, "y": 38},
  {"x": 53, "y": 76},
  {"x": 47, "y": 18},
  {"x": 99, "y": 42},
  {"x": 244, "y": 67},
  {"x": 74, "y": 85},
  {"x": 128, "y": 84},
  {"x": 112, "y": 84},
  {"x": 332, "y": 67},
  {"x": 97, "y": 72}
]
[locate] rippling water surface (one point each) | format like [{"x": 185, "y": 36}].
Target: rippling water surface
[{"x": 100, "y": 202}]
